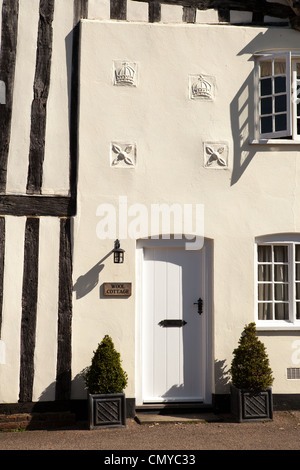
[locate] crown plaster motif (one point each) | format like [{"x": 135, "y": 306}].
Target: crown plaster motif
[
  {"x": 125, "y": 73},
  {"x": 201, "y": 87},
  {"x": 123, "y": 155}
]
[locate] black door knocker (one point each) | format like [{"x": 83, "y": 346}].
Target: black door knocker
[{"x": 200, "y": 305}]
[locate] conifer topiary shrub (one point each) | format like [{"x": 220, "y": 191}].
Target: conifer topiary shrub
[
  {"x": 106, "y": 374},
  {"x": 106, "y": 380},
  {"x": 250, "y": 365},
  {"x": 252, "y": 378}
]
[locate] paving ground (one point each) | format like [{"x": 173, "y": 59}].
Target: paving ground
[{"x": 168, "y": 433}]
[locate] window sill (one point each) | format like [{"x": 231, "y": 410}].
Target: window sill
[
  {"x": 273, "y": 142},
  {"x": 278, "y": 327}
]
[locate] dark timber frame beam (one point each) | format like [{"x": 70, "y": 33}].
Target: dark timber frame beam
[
  {"x": 118, "y": 9},
  {"x": 9, "y": 35},
  {"x": 40, "y": 98},
  {"x": 154, "y": 11},
  {"x": 64, "y": 320},
  {"x": 189, "y": 14},
  {"x": 64, "y": 346},
  {"x": 29, "y": 308},
  {"x": 264, "y": 8},
  {"x": 80, "y": 12},
  {"x": 38, "y": 206}
]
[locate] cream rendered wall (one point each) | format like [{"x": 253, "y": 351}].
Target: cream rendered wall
[
  {"x": 56, "y": 158},
  {"x": 56, "y": 163},
  {"x": 255, "y": 194},
  {"x": 23, "y": 95},
  {"x": 12, "y": 309},
  {"x": 55, "y": 182},
  {"x": 46, "y": 337},
  {"x": 46, "y": 333}
]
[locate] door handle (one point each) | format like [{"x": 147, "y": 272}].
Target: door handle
[
  {"x": 172, "y": 323},
  {"x": 200, "y": 305}
]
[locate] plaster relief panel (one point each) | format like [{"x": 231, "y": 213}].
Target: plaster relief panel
[
  {"x": 201, "y": 87},
  {"x": 125, "y": 73},
  {"x": 123, "y": 155},
  {"x": 215, "y": 155}
]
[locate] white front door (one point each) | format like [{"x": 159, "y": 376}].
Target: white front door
[{"x": 174, "y": 327}]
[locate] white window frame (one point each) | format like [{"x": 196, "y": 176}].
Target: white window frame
[
  {"x": 289, "y": 135},
  {"x": 295, "y": 96},
  {"x": 292, "y": 322}
]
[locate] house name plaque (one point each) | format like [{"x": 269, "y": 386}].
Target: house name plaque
[{"x": 120, "y": 289}]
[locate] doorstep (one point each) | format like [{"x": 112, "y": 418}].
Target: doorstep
[{"x": 149, "y": 417}]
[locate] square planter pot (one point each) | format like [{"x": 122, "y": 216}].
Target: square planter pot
[
  {"x": 107, "y": 410},
  {"x": 247, "y": 405}
]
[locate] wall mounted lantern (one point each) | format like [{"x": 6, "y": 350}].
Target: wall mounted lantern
[{"x": 118, "y": 253}]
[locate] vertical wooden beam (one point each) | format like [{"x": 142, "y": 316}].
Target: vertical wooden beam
[
  {"x": 64, "y": 347},
  {"x": 2, "y": 251},
  {"x": 258, "y": 17},
  {"x": 189, "y": 14},
  {"x": 257, "y": 14},
  {"x": 29, "y": 308},
  {"x": 80, "y": 12},
  {"x": 224, "y": 15},
  {"x": 154, "y": 12},
  {"x": 118, "y": 9},
  {"x": 40, "y": 97},
  {"x": 9, "y": 35}
]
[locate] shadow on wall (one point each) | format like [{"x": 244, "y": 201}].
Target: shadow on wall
[
  {"x": 242, "y": 124},
  {"x": 222, "y": 380},
  {"x": 78, "y": 384},
  {"x": 222, "y": 375},
  {"x": 242, "y": 107},
  {"x": 87, "y": 282}
]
